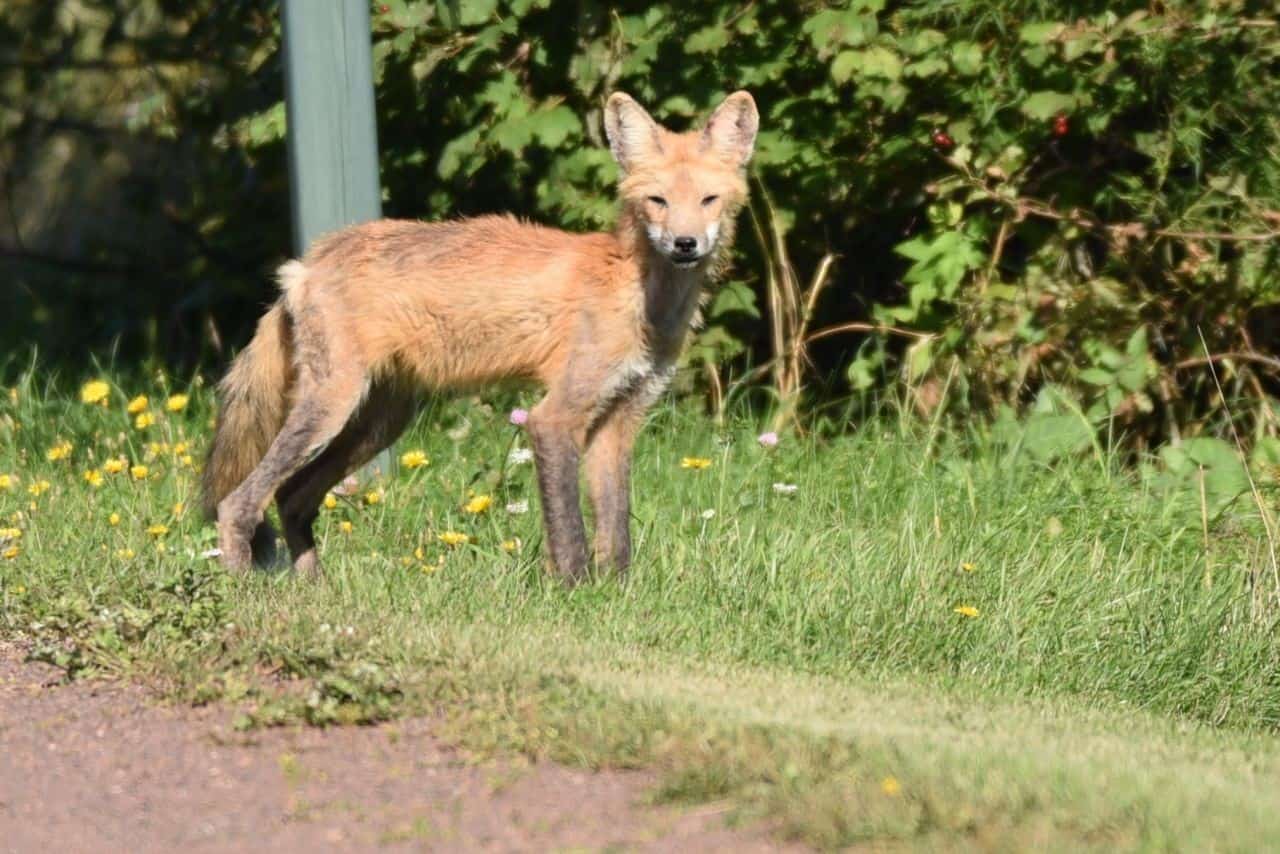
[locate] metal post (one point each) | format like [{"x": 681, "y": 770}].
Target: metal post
[{"x": 332, "y": 130}]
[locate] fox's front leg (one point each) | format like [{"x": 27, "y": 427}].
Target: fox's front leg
[
  {"x": 557, "y": 447},
  {"x": 609, "y": 481}
]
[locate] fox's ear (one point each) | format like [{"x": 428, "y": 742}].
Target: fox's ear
[
  {"x": 633, "y": 134},
  {"x": 731, "y": 130}
]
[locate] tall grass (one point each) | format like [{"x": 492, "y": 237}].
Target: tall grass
[{"x": 952, "y": 563}]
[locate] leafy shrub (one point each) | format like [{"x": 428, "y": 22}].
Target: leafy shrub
[{"x": 1063, "y": 205}]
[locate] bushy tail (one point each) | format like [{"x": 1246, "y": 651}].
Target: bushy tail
[{"x": 253, "y": 403}]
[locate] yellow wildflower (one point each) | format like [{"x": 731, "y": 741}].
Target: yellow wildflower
[
  {"x": 158, "y": 530},
  {"x": 413, "y": 459},
  {"x": 93, "y": 477},
  {"x": 13, "y": 394},
  {"x": 115, "y": 465},
  {"x": 453, "y": 538},
  {"x": 125, "y": 554},
  {"x": 60, "y": 451},
  {"x": 346, "y": 527},
  {"x": 11, "y": 552},
  {"x": 113, "y": 519},
  {"x": 144, "y": 420},
  {"x": 510, "y": 546},
  {"x": 696, "y": 463},
  {"x": 419, "y": 553},
  {"x": 968, "y": 567},
  {"x": 138, "y": 404},
  {"x": 7, "y": 534},
  {"x": 372, "y": 497},
  {"x": 139, "y": 472},
  {"x": 95, "y": 391},
  {"x": 180, "y": 449},
  {"x": 330, "y": 501},
  {"x": 187, "y": 461},
  {"x": 890, "y": 786},
  {"x": 8, "y": 482},
  {"x": 176, "y": 403},
  {"x": 479, "y": 504},
  {"x": 966, "y": 610},
  {"x": 39, "y": 487},
  {"x": 179, "y": 508},
  {"x": 156, "y": 449}
]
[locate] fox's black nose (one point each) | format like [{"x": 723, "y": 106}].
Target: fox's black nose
[{"x": 686, "y": 245}]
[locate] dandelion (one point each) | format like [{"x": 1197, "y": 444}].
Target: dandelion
[
  {"x": 511, "y": 546},
  {"x": 768, "y": 440},
  {"x": 144, "y": 420},
  {"x": 179, "y": 508},
  {"x": 158, "y": 530},
  {"x": 113, "y": 520},
  {"x": 176, "y": 403},
  {"x": 346, "y": 527},
  {"x": 966, "y": 611},
  {"x": 519, "y": 417},
  {"x": 156, "y": 449},
  {"x": 372, "y": 497},
  {"x": 93, "y": 477},
  {"x": 7, "y": 534},
  {"x": 453, "y": 538},
  {"x": 968, "y": 567},
  {"x": 40, "y": 487},
  {"x": 414, "y": 459},
  {"x": 115, "y": 465},
  {"x": 695, "y": 463},
  {"x": 138, "y": 404},
  {"x": 709, "y": 514},
  {"x": 139, "y": 472},
  {"x": 8, "y": 482},
  {"x": 95, "y": 391},
  {"x": 890, "y": 786},
  {"x": 180, "y": 449},
  {"x": 60, "y": 451},
  {"x": 518, "y": 508},
  {"x": 187, "y": 461},
  {"x": 11, "y": 552},
  {"x": 520, "y": 456},
  {"x": 125, "y": 554},
  {"x": 330, "y": 501},
  {"x": 785, "y": 488},
  {"x": 419, "y": 553},
  {"x": 479, "y": 504}
]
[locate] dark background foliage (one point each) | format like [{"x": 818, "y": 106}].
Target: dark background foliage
[{"x": 1061, "y": 210}]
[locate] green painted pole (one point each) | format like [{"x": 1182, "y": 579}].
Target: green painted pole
[{"x": 332, "y": 129}]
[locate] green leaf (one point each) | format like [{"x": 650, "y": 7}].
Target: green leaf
[
  {"x": 875, "y": 62},
  {"x": 707, "y": 40},
  {"x": 1045, "y": 105},
  {"x": 734, "y": 298},
  {"x": 1041, "y": 32},
  {"x": 966, "y": 58}
]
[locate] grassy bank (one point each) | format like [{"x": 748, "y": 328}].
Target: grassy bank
[{"x": 932, "y": 638}]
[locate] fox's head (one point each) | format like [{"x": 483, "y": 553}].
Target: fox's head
[{"x": 683, "y": 189}]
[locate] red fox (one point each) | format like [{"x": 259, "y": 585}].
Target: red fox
[{"x": 376, "y": 312}]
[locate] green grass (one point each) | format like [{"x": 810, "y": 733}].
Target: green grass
[{"x": 799, "y": 655}]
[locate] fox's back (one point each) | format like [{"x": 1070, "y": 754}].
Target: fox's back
[{"x": 470, "y": 301}]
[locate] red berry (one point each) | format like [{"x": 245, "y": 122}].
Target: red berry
[
  {"x": 1061, "y": 126},
  {"x": 942, "y": 139}
]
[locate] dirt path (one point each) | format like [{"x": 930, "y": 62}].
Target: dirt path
[{"x": 97, "y": 767}]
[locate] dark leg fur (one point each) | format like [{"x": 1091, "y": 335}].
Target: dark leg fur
[{"x": 380, "y": 420}]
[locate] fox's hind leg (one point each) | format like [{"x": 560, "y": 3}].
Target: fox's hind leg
[
  {"x": 374, "y": 426},
  {"x": 330, "y": 383}
]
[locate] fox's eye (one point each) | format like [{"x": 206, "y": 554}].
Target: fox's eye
[
  {"x": 709, "y": 200},
  {"x": 659, "y": 201}
]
